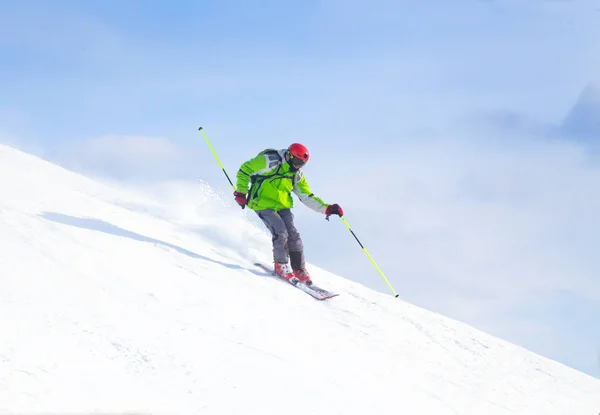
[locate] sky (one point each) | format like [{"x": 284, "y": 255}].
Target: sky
[{"x": 438, "y": 126}]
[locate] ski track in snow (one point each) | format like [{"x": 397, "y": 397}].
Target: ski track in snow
[{"x": 112, "y": 301}]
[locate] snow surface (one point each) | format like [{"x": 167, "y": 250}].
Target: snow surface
[{"x": 112, "y": 301}]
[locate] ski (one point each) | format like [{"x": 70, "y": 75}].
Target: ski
[{"x": 312, "y": 290}]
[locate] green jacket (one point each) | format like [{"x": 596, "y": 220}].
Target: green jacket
[{"x": 268, "y": 182}]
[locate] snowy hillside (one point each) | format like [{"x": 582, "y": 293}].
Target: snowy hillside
[{"x": 115, "y": 302}]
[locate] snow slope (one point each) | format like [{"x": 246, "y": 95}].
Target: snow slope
[{"x": 115, "y": 302}]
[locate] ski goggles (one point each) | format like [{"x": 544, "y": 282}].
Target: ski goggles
[{"x": 295, "y": 161}]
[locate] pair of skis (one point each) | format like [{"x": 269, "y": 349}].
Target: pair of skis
[{"x": 312, "y": 290}]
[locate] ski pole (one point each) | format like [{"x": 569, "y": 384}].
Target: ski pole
[
  {"x": 217, "y": 157},
  {"x": 369, "y": 256}
]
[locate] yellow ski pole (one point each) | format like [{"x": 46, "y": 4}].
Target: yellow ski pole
[
  {"x": 369, "y": 256},
  {"x": 217, "y": 157}
]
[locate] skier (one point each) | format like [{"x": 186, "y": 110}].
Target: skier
[{"x": 264, "y": 184}]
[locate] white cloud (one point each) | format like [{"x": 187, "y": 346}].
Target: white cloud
[{"x": 126, "y": 157}]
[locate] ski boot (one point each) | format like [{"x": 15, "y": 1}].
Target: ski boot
[
  {"x": 285, "y": 271},
  {"x": 303, "y": 276}
]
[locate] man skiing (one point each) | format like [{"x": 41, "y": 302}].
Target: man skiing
[{"x": 264, "y": 184}]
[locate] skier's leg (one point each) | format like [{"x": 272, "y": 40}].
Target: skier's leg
[
  {"x": 279, "y": 233},
  {"x": 295, "y": 245},
  {"x": 276, "y": 225}
]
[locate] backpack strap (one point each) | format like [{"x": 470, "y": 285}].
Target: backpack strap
[{"x": 274, "y": 159}]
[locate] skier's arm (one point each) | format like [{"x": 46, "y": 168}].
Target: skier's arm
[
  {"x": 306, "y": 196},
  {"x": 247, "y": 169}
]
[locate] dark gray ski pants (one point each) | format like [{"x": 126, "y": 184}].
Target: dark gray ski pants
[{"x": 285, "y": 236}]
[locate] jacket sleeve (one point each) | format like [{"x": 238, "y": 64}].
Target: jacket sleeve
[
  {"x": 247, "y": 169},
  {"x": 302, "y": 190}
]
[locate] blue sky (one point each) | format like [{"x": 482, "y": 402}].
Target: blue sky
[{"x": 428, "y": 121}]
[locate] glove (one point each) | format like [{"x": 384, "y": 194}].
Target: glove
[
  {"x": 240, "y": 198},
  {"x": 334, "y": 209}
]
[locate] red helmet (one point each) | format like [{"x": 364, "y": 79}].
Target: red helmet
[{"x": 297, "y": 154}]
